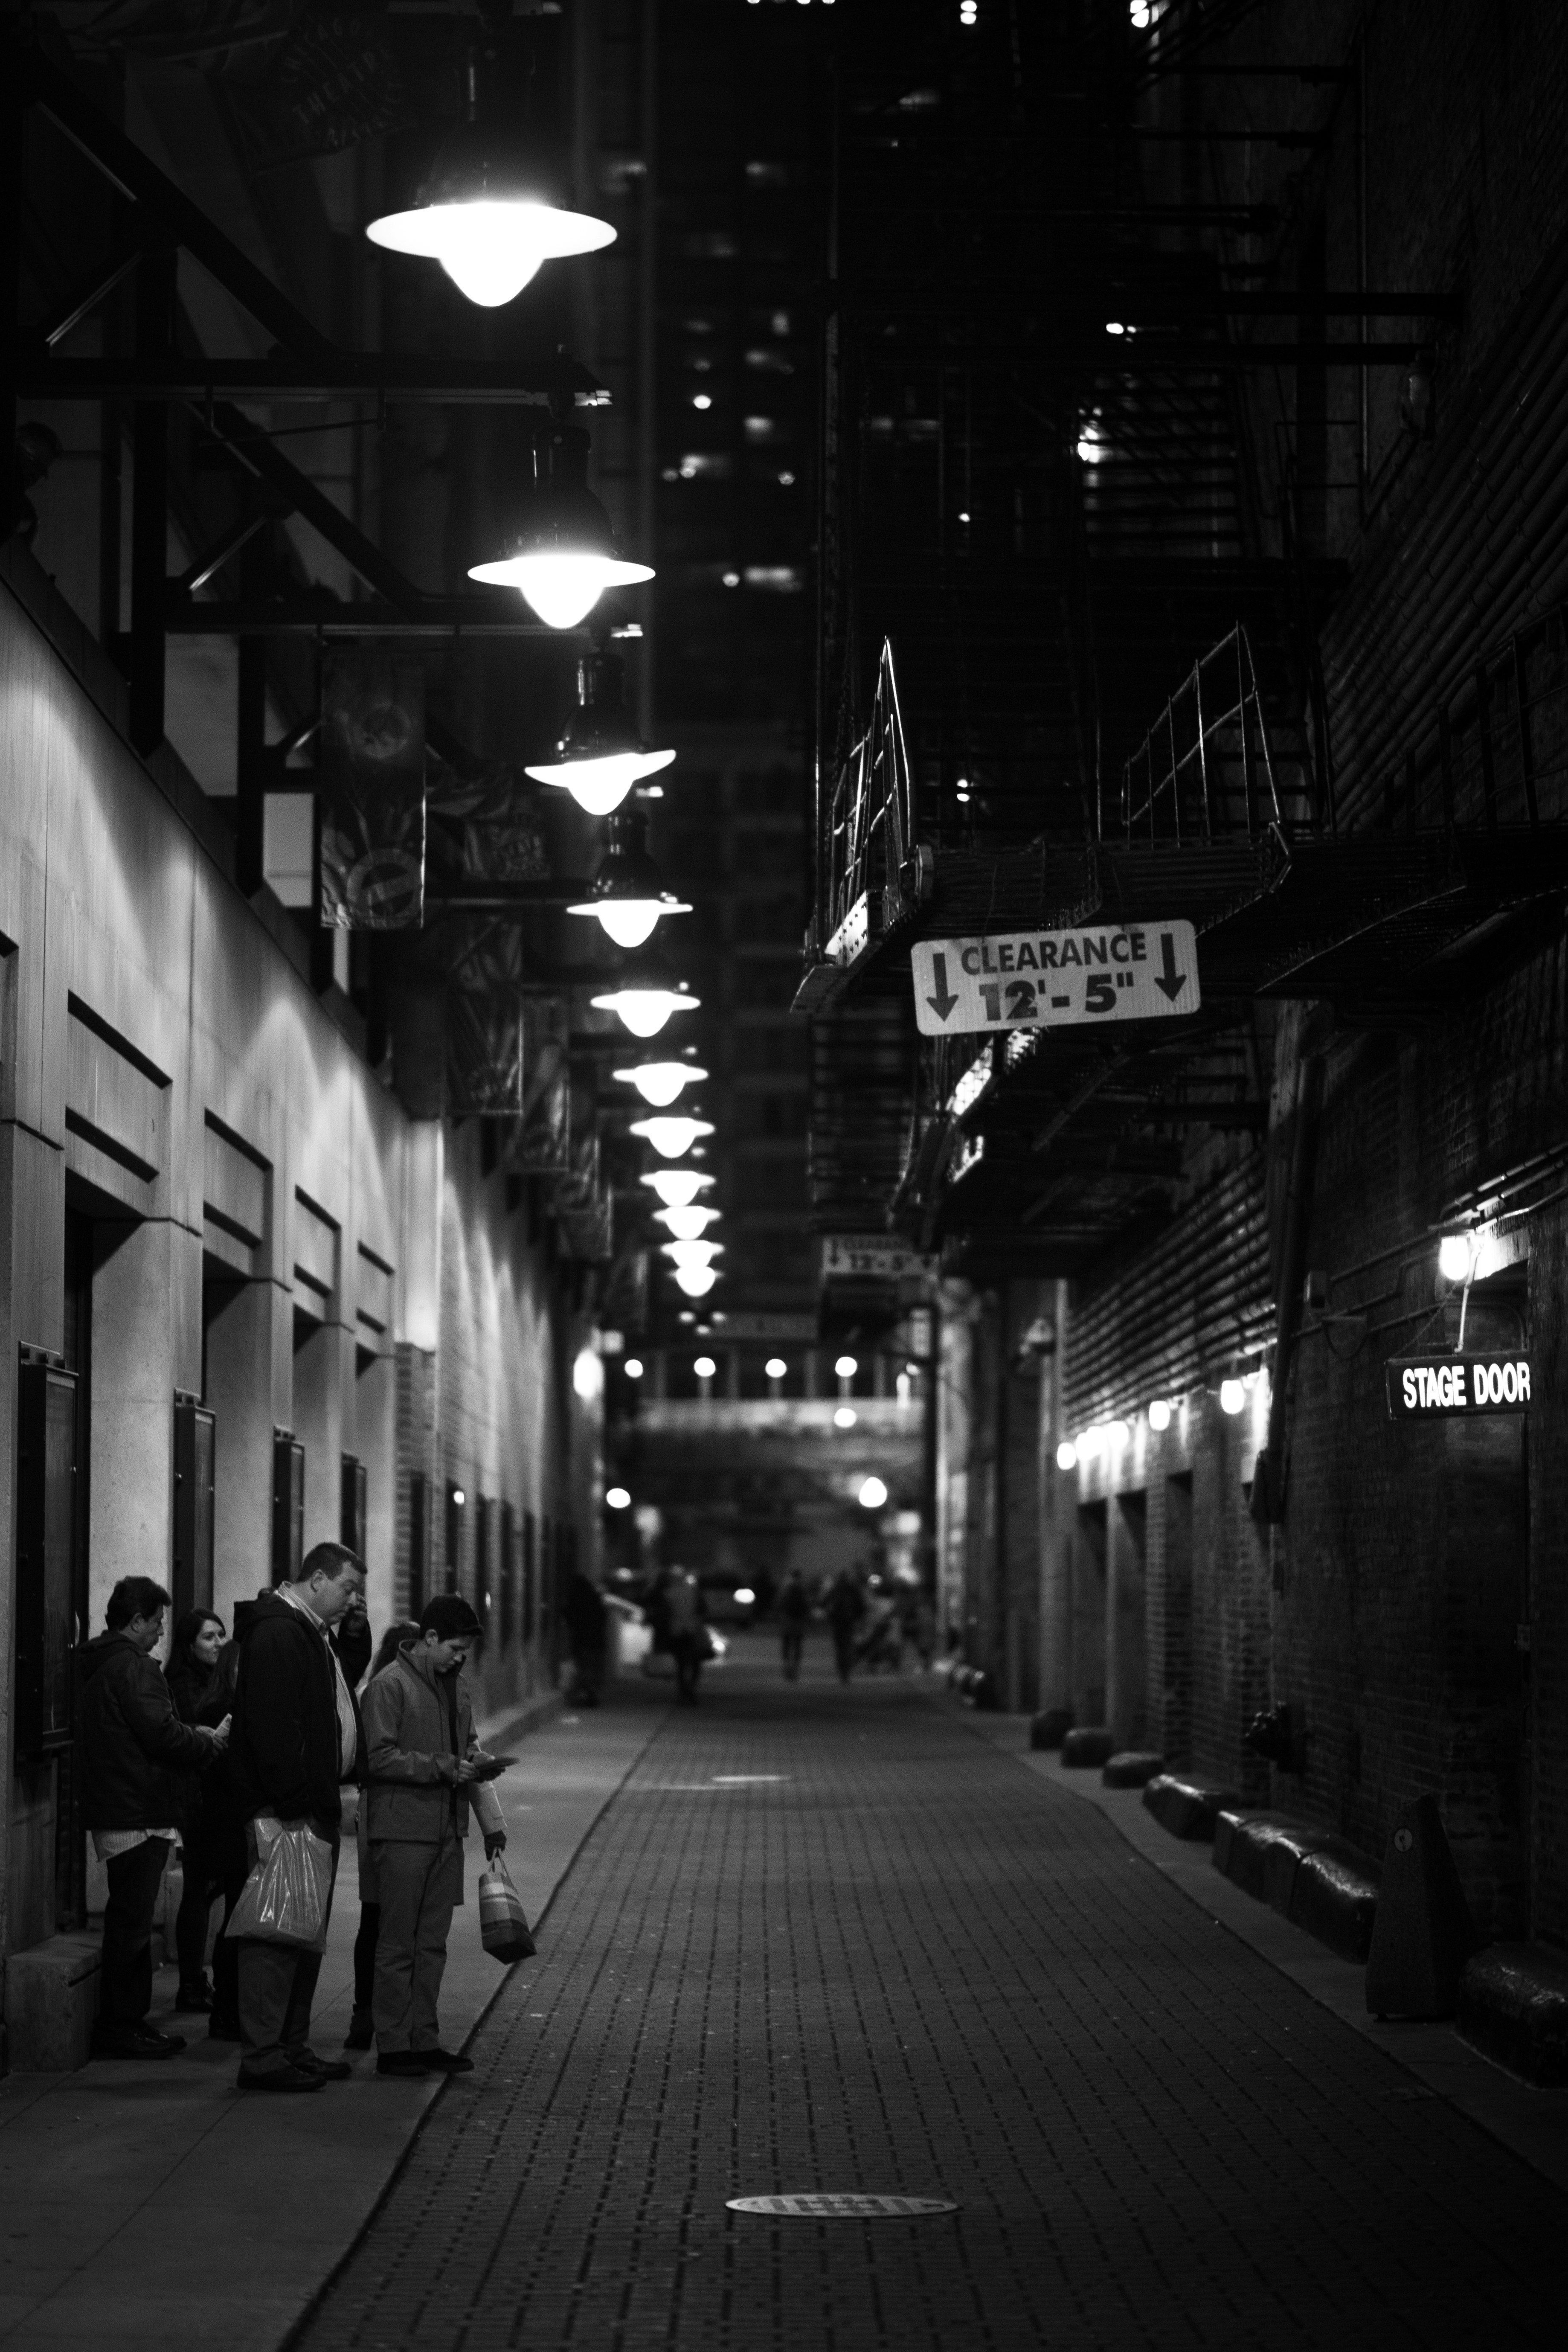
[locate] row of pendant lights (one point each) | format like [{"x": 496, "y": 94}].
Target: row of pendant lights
[
  {"x": 1102, "y": 1436},
  {"x": 488, "y": 220}
]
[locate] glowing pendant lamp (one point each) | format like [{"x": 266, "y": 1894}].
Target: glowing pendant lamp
[
  {"x": 697, "y": 1281},
  {"x": 660, "y": 1082},
  {"x": 645, "y": 993},
  {"x": 683, "y": 1255},
  {"x": 562, "y": 555},
  {"x": 672, "y": 1138},
  {"x": 686, "y": 1224},
  {"x": 601, "y": 756},
  {"x": 486, "y": 214},
  {"x": 629, "y": 893},
  {"x": 677, "y": 1187}
]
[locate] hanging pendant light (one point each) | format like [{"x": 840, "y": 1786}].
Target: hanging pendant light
[
  {"x": 686, "y": 1224},
  {"x": 677, "y": 1187},
  {"x": 683, "y": 1255},
  {"x": 697, "y": 1281},
  {"x": 601, "y": 755},
  {"x": 660, "y": 1082},
  {"x": 645, "y": 993},
  {"x": 629, "y": 893},
  {"x": 562, "y": 555},
  {"x": 672, "y": 1138},
  {"x": 486, "y": 214}
]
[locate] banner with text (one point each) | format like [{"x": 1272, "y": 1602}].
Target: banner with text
[{"x": 1047, "y": 980}]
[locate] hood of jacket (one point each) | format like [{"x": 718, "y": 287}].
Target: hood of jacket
[
  {"x": 416, "y": 1657},
  {"x": 95, "y": 1653}
]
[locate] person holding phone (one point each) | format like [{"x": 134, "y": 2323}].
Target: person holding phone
[{"x": 426, "y": 1768}]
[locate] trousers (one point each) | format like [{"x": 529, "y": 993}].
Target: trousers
[
  {"x": 418, "y": 1886},
  {"x": 276, "y": 1987},
  {"x": 134, "y": 1878}
]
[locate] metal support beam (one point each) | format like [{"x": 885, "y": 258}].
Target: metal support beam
[
  {"x": 331, "y": 375},
  {"x": 299, "y": 616},
  {"x": 150, "y": 504}
]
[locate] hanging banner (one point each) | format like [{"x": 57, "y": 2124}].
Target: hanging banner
[
  {"x": 1457, "y": 1388},
  {"x": 1049, "y": 979},
  {"x": 542, "y": 1142},
  {"x": 483, "y": 1053},
  {"x": 370, "y": 791}
]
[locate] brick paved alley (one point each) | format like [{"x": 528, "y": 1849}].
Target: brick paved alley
[{"x": 829, "y": 1939}]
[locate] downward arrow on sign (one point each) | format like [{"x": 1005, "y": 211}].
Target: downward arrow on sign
[
  {"x": 941, "y": 1003},
  {"x": 1172, "y": 981}
]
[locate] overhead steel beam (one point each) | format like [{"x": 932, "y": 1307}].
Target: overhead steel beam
[
  {"x": 427, "y": 616},
  {"x": 331, "y": 375}
]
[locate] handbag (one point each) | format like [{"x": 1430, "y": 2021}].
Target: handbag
[
  {"x": 288, "y": 1893},
  {"x": 503, "y": 1923}
]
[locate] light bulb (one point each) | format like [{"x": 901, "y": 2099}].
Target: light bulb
[
  {"x": 672, "y": 1137},
  {"x": 776, "y": 1367},
  {"x": 705, "y": 1367},
  {"x": 1067, "y": 1454},
  {"x": 697, "y": 1281},
  {"x": 1092, "y": 1444},
  {"x": 845, "y": 1417},
  {"x": 686, "y": 1224},
  {"x": 1159, "y": 1414},
  {"x": 1454, "y": 1257},
  {"x": 1232, "y": 1396},
  {"x": 1117, "y": 1432},
  {"x": 660, "y": 1082},
  {"x": 691, "y": 1253},
  {"x": 677, "y": 1187},
  {"x": 632, "y": 1368},
  {"x": 874, "y": 1494},
  {"x": 617, "y": 1498},
  {"x": 628, "y": 921},
  {"x": 645, "y": 996},
  {"x": 846, "y": 1368},
  {"x": 561, "y": 585},
  {"x": 490, "y": 248},
  {"x": 601, "y": 785}
]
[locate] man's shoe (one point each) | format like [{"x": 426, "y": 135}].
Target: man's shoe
[
  {"x": 446, "y": 2062},
  {"x": 221, "y": 2028},
  {"x": 281, "y": 2078},
  {"x": 134, "y": 2042},
  {"x": 410, "y": 2063},
  {"x": 330, "y": 2070},
  {"x": 361, "y": 2033},
  {"x": 197, "y": 1996}
]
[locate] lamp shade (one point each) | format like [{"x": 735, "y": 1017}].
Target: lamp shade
[
  {"x": 660, "y": 1082},
  {"x": 672, "y": 1137},
  {"x": 697, "y": 1281},
  {"x": 600, "y": 754},
  {"x": 562, "y": 553},
  {"x": 645, "y": 993},
  {"x": 486, "y": 214},
  {"x": 629, "y": 893},
  {"x": 677, "y": 1186},
  {"x": 686, "y": 1224},
  {"x": 684, "y": 1253}
]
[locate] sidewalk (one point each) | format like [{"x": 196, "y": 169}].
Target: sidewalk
[
  {"x": 829, "y": 1939},
  {"x": 159, "y": 2207}
]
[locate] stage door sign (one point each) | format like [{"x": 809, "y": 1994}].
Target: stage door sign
[
  {"x": 1048, "y": 980},
  {"x": 1448, "y": 1388}
]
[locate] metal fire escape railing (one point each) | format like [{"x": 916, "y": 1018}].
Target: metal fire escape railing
[
  {"x": 871, "y": 817},
  {"x": 1205, "y": 771}
]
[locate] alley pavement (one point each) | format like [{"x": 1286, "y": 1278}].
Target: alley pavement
[{"x": 827, "y": 1940}]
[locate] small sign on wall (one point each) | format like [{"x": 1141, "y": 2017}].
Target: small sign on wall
[{"x": 1445, "y": 1388}]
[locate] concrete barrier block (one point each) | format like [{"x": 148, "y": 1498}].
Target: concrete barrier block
[
  {"x": 1513, "y": 2005},
  {"x": 51, "y": 2002},
  {"x": 1051, "y": 1727},
  {"x": 1133, "y": 1768},
  {"x": 1088, "y": 1748},
  {"x": 1336, "y": 1899},
  {"x": 1187, "y": 1808},
  {"x": 1243, "y": 1842}
]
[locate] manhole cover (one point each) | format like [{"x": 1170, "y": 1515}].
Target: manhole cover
[{"x": 841, "y": 2205}]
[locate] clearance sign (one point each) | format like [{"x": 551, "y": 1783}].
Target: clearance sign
[
  {"x": 1047, "y": 980},
  {"x": 1437, "y": 1388}
]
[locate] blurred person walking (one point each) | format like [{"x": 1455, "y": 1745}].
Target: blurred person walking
[
  {"x": 425, "y": 1766},
  {"x": 197, "y": 1689},
  {"x": 296, "y": 1737},
  {"x": 134, "y": 1752},
  {"x": 361, "y": 2034},
  {"x": 844, "y": 1608},
  {"x": 794, "y": 1615},
  {"x": 586, "y": 1616},
  {"x": 682, "y": 1601}
]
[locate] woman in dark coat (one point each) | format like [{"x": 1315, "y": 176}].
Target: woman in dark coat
[{"x": 196, "y": 1687}]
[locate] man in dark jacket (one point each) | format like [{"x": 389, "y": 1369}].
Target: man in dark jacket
[
  {"x": 296, "y": 1740},
  {"x": 133, "y": 1745}
]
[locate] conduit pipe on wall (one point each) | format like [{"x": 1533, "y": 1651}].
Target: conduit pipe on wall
[{"x": 1269, "y": 1477}]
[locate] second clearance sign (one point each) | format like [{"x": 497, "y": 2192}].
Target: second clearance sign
[{"x": 1040, "y": 980}]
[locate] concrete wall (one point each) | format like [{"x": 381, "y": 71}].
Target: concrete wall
[{"x": 265, "y": 1214}]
